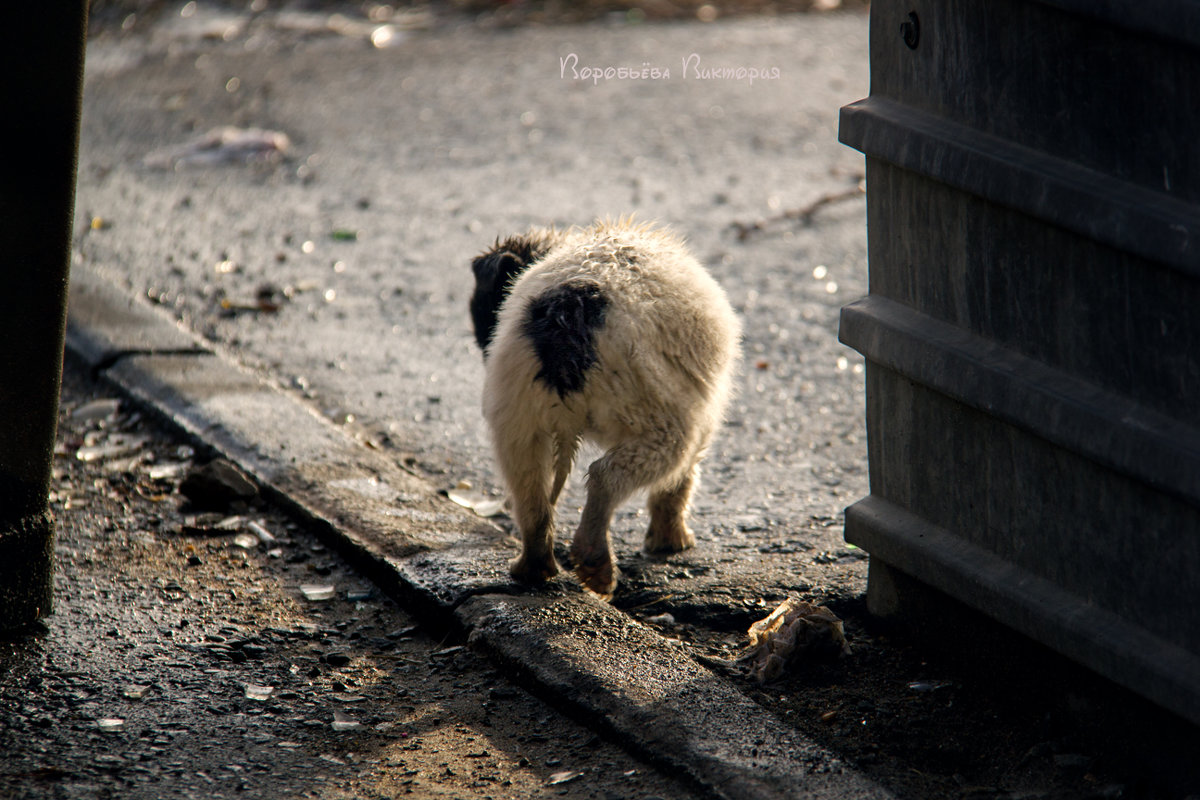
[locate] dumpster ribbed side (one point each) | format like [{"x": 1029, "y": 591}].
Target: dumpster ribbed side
[{"x": 1032, "y": 344}]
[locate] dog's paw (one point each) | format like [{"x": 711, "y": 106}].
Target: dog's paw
[
  {"x": 598, "y": 577},
  {"x": 533, "y": 570},
  {"x": 669, "y": 538}
]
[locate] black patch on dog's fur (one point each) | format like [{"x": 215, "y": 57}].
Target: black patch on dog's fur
[
  {"x": 495, "y": 272},
  {"x": 562, "y": 324}
]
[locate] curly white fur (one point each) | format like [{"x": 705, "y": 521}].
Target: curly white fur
[{"x": 652, "y": 395}]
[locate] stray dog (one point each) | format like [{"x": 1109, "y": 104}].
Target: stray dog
[{"x": 612, "y": 333}]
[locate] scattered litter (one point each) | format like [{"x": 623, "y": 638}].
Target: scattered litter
[
  {"x": 359, "y": 595},
  {"x": 565, "y": 776},
  {"x": 128, "y": 464},
  {"x": 661, "y": 619},
  {"x": 796, "y": 628},
  {"x": 482, "y": 504},
  {"x": 103, "y": 409},
  {"x": 392, "y": 32},
  {"x": 246, "y": 541},
  {"x": 317, "y": 592},
  {"x": 343, "y": 235},
  {"x": 260, "y": 531},
  {"x": 268, "y": 299},
  {"x": 225, "y": 145},
  {"x": 386, "y": 36},
  {"x": 927, "y": 686},
  {"x": 343, "y": 697},
  {"x": 135, "y": 691},
  {"x": 344, "y": 722},
  {"x": 167, "y": 470},
  {"x": 110, "y": 724},
  {"x": 256, "y": 691},
  {"x": 112, "y": 446},
  {"x": 211, "y": 524}
]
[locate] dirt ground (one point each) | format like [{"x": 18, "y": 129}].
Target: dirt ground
[
  {"x": 185, "y": 659},
  {"x": 930, "y": 721},
  {"x": 192, "y": 655}
]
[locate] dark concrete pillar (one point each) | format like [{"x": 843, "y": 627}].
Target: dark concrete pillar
[{"x": 41, "y": 79}]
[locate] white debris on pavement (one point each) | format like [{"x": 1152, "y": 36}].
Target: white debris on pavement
[
  {"x": 482, "y": 504},
  {"x": 224, "y": 145}
]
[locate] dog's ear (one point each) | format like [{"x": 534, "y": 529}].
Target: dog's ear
[{"x": 495, "y": 272}]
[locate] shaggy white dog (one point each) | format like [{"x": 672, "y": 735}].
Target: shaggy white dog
[{"x": 612, "y": 333}]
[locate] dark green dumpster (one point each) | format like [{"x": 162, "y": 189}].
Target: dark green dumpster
[{"x": 1032, "y": 332}]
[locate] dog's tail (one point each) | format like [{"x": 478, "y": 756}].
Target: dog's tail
[{"x": 565, "y": 449}]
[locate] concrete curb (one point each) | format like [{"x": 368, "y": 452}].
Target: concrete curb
[{"x": 620, "y": 676}]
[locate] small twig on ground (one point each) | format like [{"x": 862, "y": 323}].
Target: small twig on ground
[
  {"x": 805, "y": 213},
  {"x": 661, "y": 599}
]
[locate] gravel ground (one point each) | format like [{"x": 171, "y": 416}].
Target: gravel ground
[{"x": 184, "y": 659}]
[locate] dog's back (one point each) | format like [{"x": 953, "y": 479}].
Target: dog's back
[
  {"x": 613, "y": 333},
  {"x": 620, "y": 320}
]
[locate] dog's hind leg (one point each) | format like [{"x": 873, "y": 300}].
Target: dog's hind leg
[
  {"x": 611, "y": 479},
  {"x": 668, "y": 532},
  {"x": 525, "y": 463}
]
